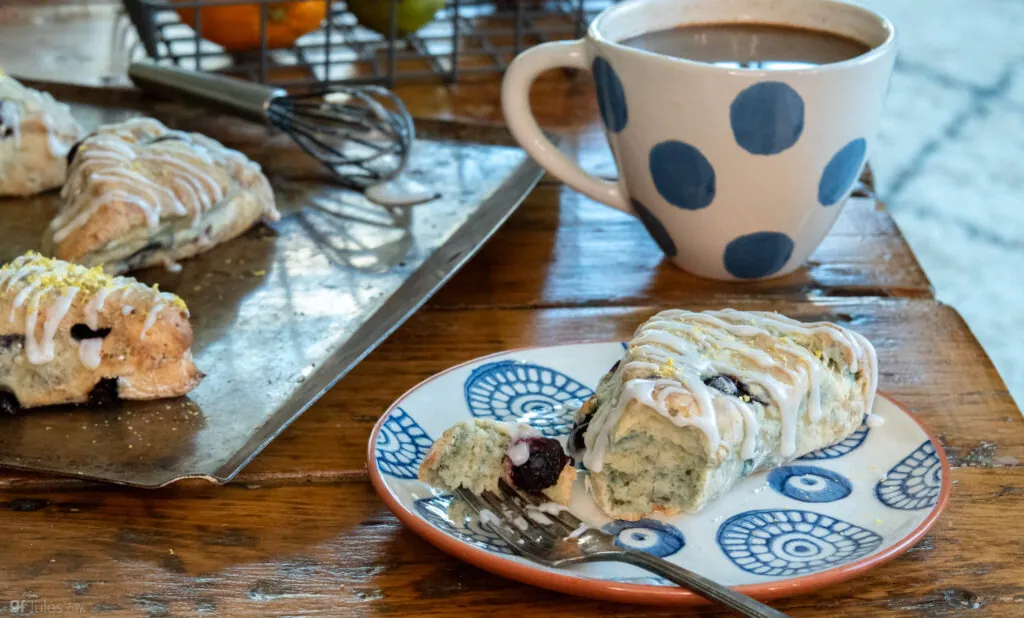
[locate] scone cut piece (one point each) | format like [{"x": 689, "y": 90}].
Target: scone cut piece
[
  {"x": 139, "y": 194},
  {"x": 67, "y": 330},
  {"x": 701, "y": 400},
  {"x": 36, "y": 133},
  {"x": 477, "y": 454}
]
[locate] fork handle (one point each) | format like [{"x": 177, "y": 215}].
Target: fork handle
[{"x": 706, "y": 588}]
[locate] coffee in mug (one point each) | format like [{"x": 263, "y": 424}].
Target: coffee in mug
[{"x": 739, "y": 127}]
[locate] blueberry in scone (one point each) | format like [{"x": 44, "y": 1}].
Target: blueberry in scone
[
  {"x": 36, "y": 133},
  {"x": 478, "y": 454},
  {"x": 701, "y": 400},
  {"x": 139, "y": 194},
  {"x": 70, "y": 334}
]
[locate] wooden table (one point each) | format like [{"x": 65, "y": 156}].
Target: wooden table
[{"x": 301, "y": 532}]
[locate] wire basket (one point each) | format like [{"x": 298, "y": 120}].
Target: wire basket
[{"x": 465, "y": 38}]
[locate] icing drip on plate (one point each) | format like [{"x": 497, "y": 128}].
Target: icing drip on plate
[{"x": 676, "y": 351}]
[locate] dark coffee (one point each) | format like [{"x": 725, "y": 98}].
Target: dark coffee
[{"x": 750, "y": 46}]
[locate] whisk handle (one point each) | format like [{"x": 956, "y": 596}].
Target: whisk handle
[{"x": 248, "y": 99}]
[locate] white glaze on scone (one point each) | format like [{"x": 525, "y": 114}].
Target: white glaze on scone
[
  {"x": 795, "y": 387},
  {"x": 36, "y": 132},
  {"x": 42, "y": 363},
  {"x": 686, "y": 347},
  {"x": 137, "y": 183}
]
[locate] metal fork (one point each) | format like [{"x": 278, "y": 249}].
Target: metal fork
[{"x": 558, "y": 540}]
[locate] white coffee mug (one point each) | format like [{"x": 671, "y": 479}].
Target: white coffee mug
[{"x": 737, "y": 173}]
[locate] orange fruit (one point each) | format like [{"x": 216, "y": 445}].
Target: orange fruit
[{"x": 237, "y": 27}]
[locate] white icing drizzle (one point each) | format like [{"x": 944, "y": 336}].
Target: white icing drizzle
[
  {"x": 750, "y": 429},
  {"x": 24, "y": 104},
  {"x": 551, "y": 508},
  {"x": 181, "y": 175},
  {"x": 43, "y": 291},
  {"x": 41, "y": 351},
  {"x": 533, "y": 513},
  {"x": 95, "y": 305},
  {"x": 151, "y": 319},
  {"x": 674, "y": 345},
  {"x": 518, "y": 449},
  {"x": 127, "y": 309},
  {"x": 518, "y": 453},
  {"x": 489, "y": 518},
  {"x": 90, "y": 352},
  {"x": 575, "y": 534}
]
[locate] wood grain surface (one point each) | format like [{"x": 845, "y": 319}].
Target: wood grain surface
[{"x": 301, "y": 531}]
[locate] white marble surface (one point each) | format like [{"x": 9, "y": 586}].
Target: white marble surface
[{"x": 950, "y": 161}]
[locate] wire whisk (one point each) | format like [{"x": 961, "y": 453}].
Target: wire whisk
[{"x": 361, "y": 134}]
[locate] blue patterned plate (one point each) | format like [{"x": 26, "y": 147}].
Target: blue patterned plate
[{"x": 822, "y": 519}]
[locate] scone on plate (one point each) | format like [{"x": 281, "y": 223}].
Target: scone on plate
[
  {"x": 36, "y": 133},
  {"x": 701, "y": 400},
  {"x": 477, "y": 454},
  {"x": 68, "y": 332},
  {"x": 139, "y": 194}
]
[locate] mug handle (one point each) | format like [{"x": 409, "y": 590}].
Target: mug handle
[{"x": 515, "y": 103}]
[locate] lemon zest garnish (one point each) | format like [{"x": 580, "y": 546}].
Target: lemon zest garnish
[{"x": 48, "y": 273}]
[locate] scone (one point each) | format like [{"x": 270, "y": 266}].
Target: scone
[
  {"x": 36, "y": 133},
  {"x": 477, "y": 454},
  {"x": 701, "y": 400},
  {"x": 66, "y": 330},
  {"x": 139, "y": 194}
]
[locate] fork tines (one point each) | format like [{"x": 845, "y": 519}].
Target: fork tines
[{"x": 517, "y": 518}]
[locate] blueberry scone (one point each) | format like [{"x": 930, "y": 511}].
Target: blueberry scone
[
  {"x": 477, "y": 454},
  {"x": 36, "y": 133},
  {"x": 139, "y": 194},
  {"x": 701, "y": 400},
  {"x": 69, "y": 334}
]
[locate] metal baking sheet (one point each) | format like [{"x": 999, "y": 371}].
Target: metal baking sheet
[{"x": 279, "y": 314}]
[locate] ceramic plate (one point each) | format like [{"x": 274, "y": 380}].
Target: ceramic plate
[{"x": 822, "y": 519}]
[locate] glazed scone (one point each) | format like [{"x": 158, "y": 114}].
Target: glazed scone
[
  {"x": 66, "y": 330},
  {"x": 36, "y": 133},
  {"x": 701, "y": 400},
  {"x": 477, "y": 454},
  {"x": 139, "y": 194}
]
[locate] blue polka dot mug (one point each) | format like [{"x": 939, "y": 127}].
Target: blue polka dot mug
[{"x": 737, "y": 173}]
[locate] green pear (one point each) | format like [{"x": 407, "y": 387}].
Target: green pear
[{"x": 412, "y": 14}]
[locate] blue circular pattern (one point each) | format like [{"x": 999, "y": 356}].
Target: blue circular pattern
[
  {"x": 840, "y": 448},
  {"x": 784, "y": 543},
  {"x": 611, "y": 97},
  {"x": 841, "y": 172},
  {"x": 758, "y": 255},
  {"x": 767, "y": 118},
  {"x": 524, "y": 393},
  {"x": 809, "y": 483},
  {"x": 648, "y": 535},
  {"x": 401, "y": 445},
  {"x": 913, "y": 483},
  {"x": 435, "y": 510},
  {"x": 655, "y": 228},
  {"x": 683, "y": 176}
]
